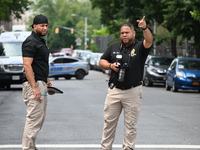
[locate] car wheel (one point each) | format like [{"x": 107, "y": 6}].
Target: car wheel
[
  {"x": 168, "y": 88},
  {"x": 174, "y": 89},
  {"x": 67, "y": 77},
  {"x": 7, "y": 86},
  {"x": 2, "y": 86},
  {"x": 199, "y": 91},
  {"x": 147, "y": 82},
  {"x": 80, "y": 74},
  {"x": 56, "y": 78}
]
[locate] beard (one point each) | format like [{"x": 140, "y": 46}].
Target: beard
[
  {"x": 128, "y": 41},
  {"x": 41, "y": 34}
]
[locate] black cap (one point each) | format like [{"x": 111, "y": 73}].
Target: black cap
[{"x": 39, "y": 19}]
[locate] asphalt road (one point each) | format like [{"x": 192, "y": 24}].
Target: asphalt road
[{"x": 75, "y": 118}]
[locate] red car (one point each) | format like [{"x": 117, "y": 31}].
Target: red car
[{"x": 67, "y": 51}]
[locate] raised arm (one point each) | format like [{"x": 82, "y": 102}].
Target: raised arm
[{"x": 148, "y": 38}]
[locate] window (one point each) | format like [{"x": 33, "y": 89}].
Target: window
[
  {"x": 68, "y": 60},
  {"x": 173, "y": 66},
  {"x": 58, "y": 61}
]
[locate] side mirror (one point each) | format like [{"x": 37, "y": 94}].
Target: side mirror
[
  {"x": 146, "y": 65},
  {"x": 1, "y": 50}
]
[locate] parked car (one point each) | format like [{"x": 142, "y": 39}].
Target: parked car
[
  {"x": 82, "y": 54},
  {"x": 67, "y": 51},
  {"x": 155, "y": 69},
  {"x": 183, "y": 73},
  {"x": 67, "y": 67},
  {"x": 94, "y": 61},
  {"x": 58, "y": 54}
]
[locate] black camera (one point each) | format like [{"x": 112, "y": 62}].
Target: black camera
[
  {"x": 122, "y": 68},
  {"x": 122, "y": 72},
  {"x": 118, "y": 60}
]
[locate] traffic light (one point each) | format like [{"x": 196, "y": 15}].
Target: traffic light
[
  {"x": 72, "y": 47},
  {"x": 2, "y": 29},
  {"x": 56, "y": 30},
  {"x": 72, "y": 30}
]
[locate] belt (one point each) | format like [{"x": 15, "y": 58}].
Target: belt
[{"x": 126, "y": 88}]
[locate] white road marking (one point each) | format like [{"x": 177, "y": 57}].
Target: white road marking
[{"x": 50, "y": 146}]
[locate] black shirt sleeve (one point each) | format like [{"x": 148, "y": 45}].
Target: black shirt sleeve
[{"x": 28, "y": 49}]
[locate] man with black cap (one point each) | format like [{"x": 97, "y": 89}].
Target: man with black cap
[{"x": 35, "y": 55}]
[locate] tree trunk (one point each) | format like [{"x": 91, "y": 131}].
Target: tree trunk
[
  {"x": 198, "y": 53},
  {"x": 173, "y": 47}
]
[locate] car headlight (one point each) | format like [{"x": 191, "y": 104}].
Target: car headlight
[
  {"x": 1, "y": 68},
  {"x": 180, "y": 74},
  {"x": 161, "y": 71},
  {"x": 154, "y": 70}
]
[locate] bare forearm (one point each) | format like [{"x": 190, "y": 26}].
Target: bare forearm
[
  {"x": 30, "y": 75},
  {"x": 148, "y": 38},
  {"x": 104, "y": 64}
]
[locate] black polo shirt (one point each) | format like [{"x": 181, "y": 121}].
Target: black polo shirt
[
  {"x": 134, "y": 55},
  {"x": 35, "y": 47}
]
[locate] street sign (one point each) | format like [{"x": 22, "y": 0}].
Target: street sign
[{"x": 78, "y": 41}]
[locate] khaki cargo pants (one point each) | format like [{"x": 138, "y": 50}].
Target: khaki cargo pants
[
  {"x": 36, "y": 111},
  {"x": 116, "y": 100}
]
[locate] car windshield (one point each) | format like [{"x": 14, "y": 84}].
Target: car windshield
[
  {"x": 11, "y": 49},
  {"x": 84, "y": 54},
  {"x": 163, "y": 61},
  {"x": 189, "y": 65}
]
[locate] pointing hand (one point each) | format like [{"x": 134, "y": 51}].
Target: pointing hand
[{"x": 142, "y": 23}]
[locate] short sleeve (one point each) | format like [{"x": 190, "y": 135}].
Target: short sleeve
[
  {"x": 28, "y": 49},
  {"x": 107, "y": 54}
]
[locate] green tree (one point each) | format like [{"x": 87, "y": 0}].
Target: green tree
[
  {"x": 156, "y": 10},
  {"x": 179, "y": 17},
  {"x": 195, "y": 12},
  {"x": 180, "y": 22},
  {"x": 116, "y": 12},
  {"x": 102, "y": 32},
  {"x": 10, "y": 7},
  {"x": 59, "y": 13}
]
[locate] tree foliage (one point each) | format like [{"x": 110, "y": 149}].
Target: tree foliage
[
  {"x": 13, "y": 7},
  {"x": 116, "y": 12},
  {"x": 59, "y": 13},
  {"x": 180, "y": 17},
  {"x": 102, "y": 32},
  {"x": 195, "y": 12}
]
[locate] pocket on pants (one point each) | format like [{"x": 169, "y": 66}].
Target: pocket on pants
[
  {"x": 27, "y": 92},
  {"x": 42, "y": 87},
  {"x": 43, "y": 90}
]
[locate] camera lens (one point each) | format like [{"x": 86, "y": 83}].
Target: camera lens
[{"x": 121, "y": 75}]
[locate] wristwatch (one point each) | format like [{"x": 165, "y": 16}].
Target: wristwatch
[{"x": 144, "y": 28}]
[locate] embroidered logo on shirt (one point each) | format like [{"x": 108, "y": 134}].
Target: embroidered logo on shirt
[
  {"x": 133, "y": 52},
  {"x": 116, "y": 52}
]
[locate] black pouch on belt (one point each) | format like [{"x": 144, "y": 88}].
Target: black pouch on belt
[{"x": 111, "y": 85}]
